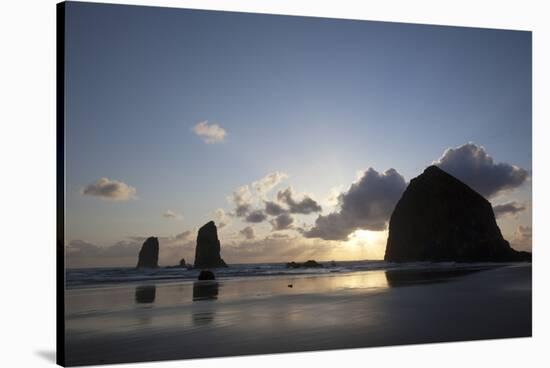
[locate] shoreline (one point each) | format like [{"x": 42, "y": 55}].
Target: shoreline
[{"x": 188, "y": 320}]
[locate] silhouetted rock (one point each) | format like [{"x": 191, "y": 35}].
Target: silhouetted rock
[
  {"x": 206, "y": 275},
  {"x": 307, "y": 264},
  {"x": 207, "y": 253},
  {"x": 439, "y": 218},
  {"x": 182, "y": 262},
  {"x": 149, "y": 253}
]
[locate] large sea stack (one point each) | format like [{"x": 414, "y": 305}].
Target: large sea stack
[
  {"x": 439, "y": 218},
  {"x": 207, "y": 253},
  {"x": 149, "y": 253}
]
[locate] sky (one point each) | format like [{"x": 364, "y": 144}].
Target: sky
[{"x": 296, "y": 135}]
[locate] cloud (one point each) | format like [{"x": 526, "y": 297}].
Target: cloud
[
  {"x": 304, "y": 206},
  {"x": 523, "y": 238},
  {"x": 331, "y": 199},
  {"x": 274, "y": 209},
  {"x": 171, "y": 215},
  {"x": 268, "y": 182},
  {"x": 282, "y": 222},
  {"x": 256, "y": 216},
  {"x": 185, "y": 235},
  {"x": 123, "y": 253},
  {"x": 114, "y": 190},
  {"x": 367, "y": 205},
  {"x": 275, "y": 248},
  {"x": 242, "y": 199},
  {"x": 212, "y": 133},
  {"x": 509, "y": 208},
  {"x": 248, "y": 233},
  {"x": 473, "y": 165},
  {"x": 221, "y": 218}
]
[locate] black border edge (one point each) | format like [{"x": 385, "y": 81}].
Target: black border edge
[{"x": 60, "y": 185}]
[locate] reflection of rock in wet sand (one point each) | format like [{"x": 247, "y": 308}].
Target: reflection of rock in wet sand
[
  {"x": 414, "y": 277},
  {"x": 146, "y": 294},
  {"x": 205, "y": 290},
  {"x": 203, "y": 318}
]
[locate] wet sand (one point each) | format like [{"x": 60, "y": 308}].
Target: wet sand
[{"x": 260, "y": 315}]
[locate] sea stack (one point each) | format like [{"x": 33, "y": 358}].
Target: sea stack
[
  {"x": 207, "y": 253},
  {"x": 149, "y": 253},
  {"x": 439, "y": 218}
]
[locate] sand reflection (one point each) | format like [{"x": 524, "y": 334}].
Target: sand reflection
[
  {"x": 205, "y": 290},
  {"x": 145, "y": 294}
]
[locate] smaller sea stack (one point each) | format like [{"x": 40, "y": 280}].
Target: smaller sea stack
[
  {"x": 149, "y": 254},
  {"x": 207, "y": 253}
]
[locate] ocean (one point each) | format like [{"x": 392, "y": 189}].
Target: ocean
[{"x": 97, "y": 277}]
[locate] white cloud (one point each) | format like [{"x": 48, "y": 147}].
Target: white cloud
[
  {"x": 221, "y": 218},
  {"x": 523, "y": 238},
  {"x": 171, "y": 215},
  {"x": 114, "y": 190},
  {"x": 212, "y": 133},
  {"x": 268, "y": 182},
  {"x": 242, "y": 198}
]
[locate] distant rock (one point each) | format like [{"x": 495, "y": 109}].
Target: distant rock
[
  {"x": 149, "y": 253},
  {"x": 439, "y": 218},
  {"x": 207, "y": 253},
  {"x": 207, "y": 275},
  {"x": 307, "y": 264}
]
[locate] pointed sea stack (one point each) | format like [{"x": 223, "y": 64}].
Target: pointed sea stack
[
  {"x": 439, "y": 218},
  {"x": 207, "y": 253},
  {"x": 149, "y": 254}
]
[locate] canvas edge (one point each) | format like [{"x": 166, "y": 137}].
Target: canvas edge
[{"x": 60, "y": 185}]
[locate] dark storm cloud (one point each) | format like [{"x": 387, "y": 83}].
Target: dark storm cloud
[
  {"x": 510, "y": 208},
  {"x": 256, "y": 216},
  {"x": 282, "y": 222},
  {"x": 248, "y": 233},
  {"x": 110, "y": 189},
  {"x": 366, "y": 205},
  {"x": 304, "y": 206},
  {"x": 471, "y": 164},
  {"x": 273, "y": 209}
]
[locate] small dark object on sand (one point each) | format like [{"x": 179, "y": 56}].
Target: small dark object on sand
[
  {"x": 290, "y": 285},
  {"x": 182, "y": 262},
  {"x": 207, "y": 275},
  {"x": 308, "y": 264}
]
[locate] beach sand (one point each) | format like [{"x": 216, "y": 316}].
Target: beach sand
[{"x": 259, "y": 315}]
